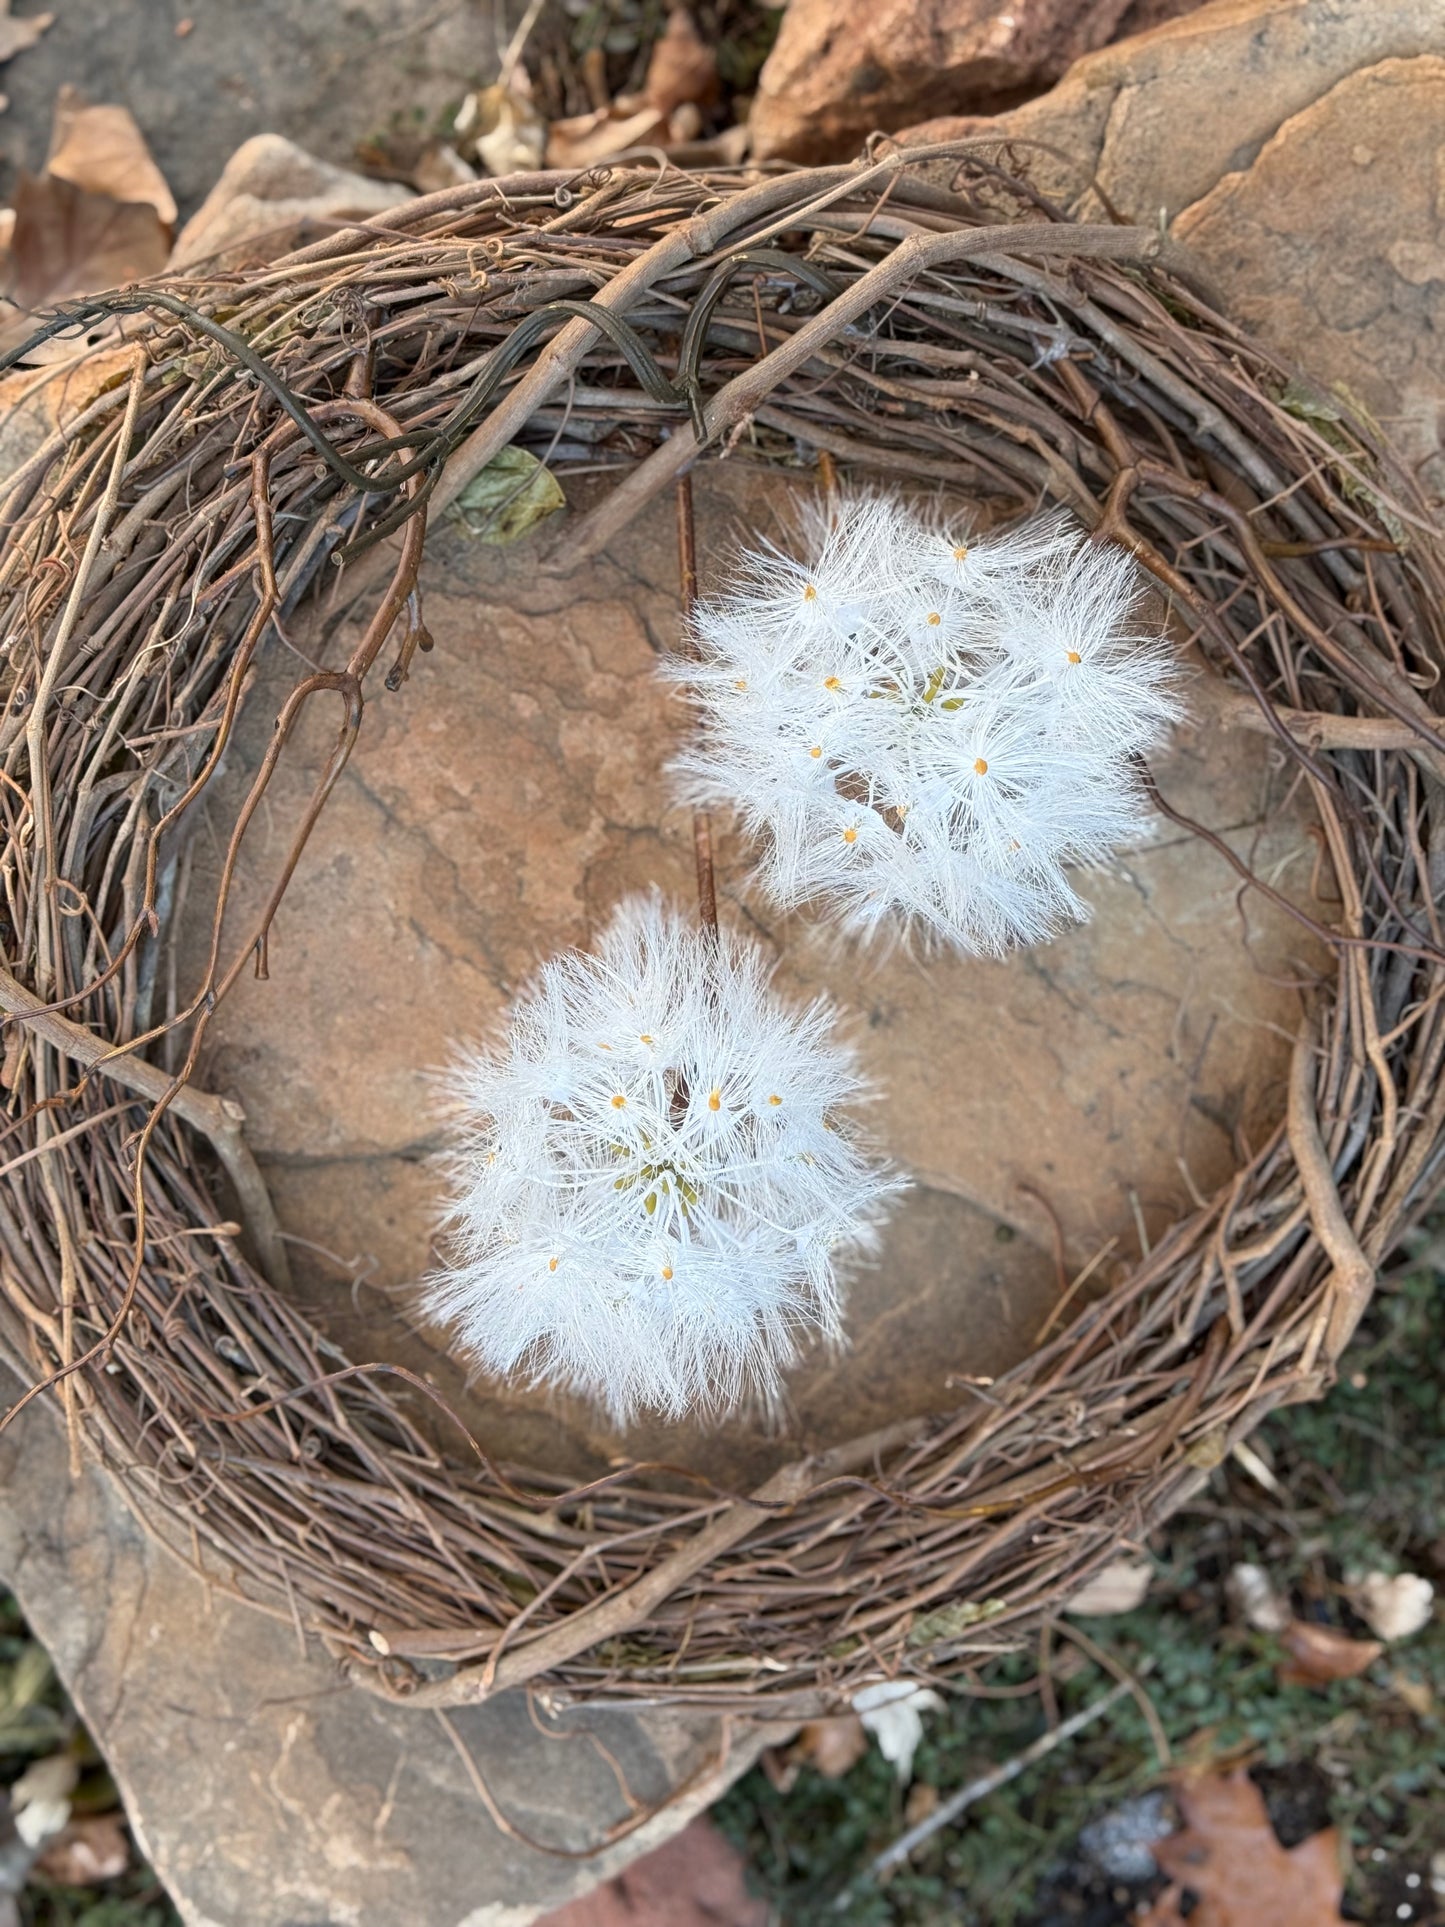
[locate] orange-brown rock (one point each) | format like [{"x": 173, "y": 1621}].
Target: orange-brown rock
[
  {"x": 1152, "y": 124},
  {"x": 843, "y": 69},
  {"x": 1294, "y": 145},
  {"x": 496, "y": 809},
  {"x": 1331, "y": 244}
]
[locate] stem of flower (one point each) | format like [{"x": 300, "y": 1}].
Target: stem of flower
[{"x": 687, "y": 573}]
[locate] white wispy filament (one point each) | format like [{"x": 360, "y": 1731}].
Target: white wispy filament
[
  {"x": 920, "y": 729},
  {"x": 657, "y": 1183}
]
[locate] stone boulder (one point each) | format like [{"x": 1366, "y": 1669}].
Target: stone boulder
[
  {"x": 1296, "y": 146},
  {"x": 273, "y": 196},
  {"x": 843, "y": 69},
  {"x": 1331, "y": 245},
  {"x": 1151, "y": 125},
  {"x": 266, "y": 1793}
]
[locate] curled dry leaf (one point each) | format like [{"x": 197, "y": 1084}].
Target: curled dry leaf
[
  {"x": 93, "y": 1847},
  {"x": 1227, "y": 1857},
  {"x": 1414, "y": 1694},
  {"x": 17, "y": 35},
  {"x": 1254, "y": 1598},
  {"x": 1319, "y": 1655},
  {"x": 696, "y": 1880},
  {"x": 1117, "y": 1588},
  {"x": 440, "y": 166},
  {"x": 68, "y": 241},
  {"x": 508, "y": 497},
  {"x": 1393, "y": 1606},
  {"x": 100, "y": 216},
  {"x": 892, "y": 1710},
  {"x": 502, "y": 127},
  {"x": 682, "y": 69},
  {"x": 102, "y": 150},
  {"x": 586, "y": 140},
  {"x": 833, "y": 1746},
  {"x": 921, "y": 1804},
  {"x": 682, "y": 79}
]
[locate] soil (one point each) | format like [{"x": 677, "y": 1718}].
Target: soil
[{"x": 328, "y": 75}]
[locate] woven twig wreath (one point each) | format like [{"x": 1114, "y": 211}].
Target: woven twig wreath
[{"x": 963, "y": 332}]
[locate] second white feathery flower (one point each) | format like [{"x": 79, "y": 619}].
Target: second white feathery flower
[
  {"x": 921, "y": 730},
  {"x": 658, "y": 1183}
]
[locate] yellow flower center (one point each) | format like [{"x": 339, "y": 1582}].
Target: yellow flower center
[
  {"x": 960, "y": 555},
  {"x": 667, "y": 1271},
  {"x": 775, "y": 1099},
  {"x": 741, "y": 683},
  {"x": 551, "y": 1264},
  {"x": 1074, "y": 656},
  {"x": 850, "y": 836},
  {"x": 816, "y": 750},
  {"x": 934, "y": 618},
  {"x": 619, "y": 1103},
  {"x": 831, "y": 682},
  {"x": 714, "y": 1100},
  {"x": 810, "y": 594},
  {"x": 980, "y": 767}
]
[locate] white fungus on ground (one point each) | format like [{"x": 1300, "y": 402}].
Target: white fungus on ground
[
  {"x": 919, "y": 729},
  {"x": 656, "y": 1184}
]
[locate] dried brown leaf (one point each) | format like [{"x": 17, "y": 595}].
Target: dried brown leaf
[
  {"x": 1414, "y": 1694},
  {"x": 68, "y": 241},
  {"x": 1116, "y": 1588},
  {"x": 588, "y": 139},
  {"x": 92, "y": 1848},
  {"x": 506, "y": 132},
  {"x": 102, "y": 150},
  {"x": 17, "y": 35},
  {"x": 1319, "y": 1654},
  {"x": 1227, "y": 1857},
  {"x": 921, "y": 1804},
  {"x": 682, "y": 67},
  {"x": 696, "y": 1880},
  {"x": 833, "y": 1746}
]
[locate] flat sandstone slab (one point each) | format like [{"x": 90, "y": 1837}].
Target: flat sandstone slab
[
  {"x": 268, "y": 1794},
  {"x": 495, "y": 811}
]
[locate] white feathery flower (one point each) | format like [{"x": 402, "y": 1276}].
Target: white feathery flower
[
  {"x": 656, "y": 1185},
  {"x": 921, "y": 729}
]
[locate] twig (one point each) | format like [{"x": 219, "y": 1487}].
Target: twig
[
  {"x": 517, "y": 45},
  {"x": 218, "y": 1119},
  {"x": 687, "y": 574},
  {"x": 1352, "y": 1281},
  {"x": 948, "y": 1811}
]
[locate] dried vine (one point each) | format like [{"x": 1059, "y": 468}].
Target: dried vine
[{"x": 902, "y": 317}]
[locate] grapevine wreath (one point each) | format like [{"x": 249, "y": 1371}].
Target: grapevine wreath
[{"x": 920, "y": 316}]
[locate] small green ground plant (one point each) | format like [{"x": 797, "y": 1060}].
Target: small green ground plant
[{"x": 1354, "y": 1484}]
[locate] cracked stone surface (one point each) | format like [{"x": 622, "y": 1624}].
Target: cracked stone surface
[
  {"x": 1335, "y": 235},
  {"x": 842, "y": 69},
  {"x": 495, "y": 811},
  {"x": 1298, "y": 146},
  {"x": 306, "y": 1803},
  {"x": 1157, "y": 121},
  {"x": 330, "y": 74}
]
